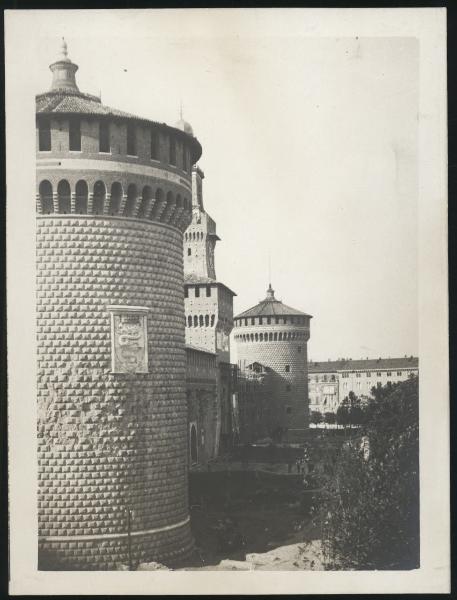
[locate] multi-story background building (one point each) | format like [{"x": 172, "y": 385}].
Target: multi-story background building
[
  {"x": 332, "y": 381},
  {"x": 113, "y": 200},
  {"x": 273, "y": 337}
]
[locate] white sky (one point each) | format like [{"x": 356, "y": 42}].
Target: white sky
[{"x": 309, "y": 152}]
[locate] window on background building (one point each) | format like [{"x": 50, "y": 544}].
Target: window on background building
[
  {"x": 287, "y": 368},
  {"x": 368, "y": 374},
  {"x": 197, "y": 291},
  {"x": 324, "y": 378},
  {"x": 103, "y": 137},
  {"x": 186, "y": 292},
  {"x": 195, "y": 321},
  {"x": 277, "y": 320},
  {"x": 172, "y": 154},
  {"x": 359, "y": 385},
  {"x": 200, "y": 320},
  {"x": 206, "y": 320},
  {"x": 268, "y": 320},
  {"x": 288, "y": 387},
  {"x": 299, "y": 349},
  {"x": 260, "y": 321},
  {"x": 212, "y": 320},
  {"x": 131, "y": 139},
  {"x": 208, "y": 290},
  {"x": 378, "y": 384},
  {"x": 252, "y": 321},
  {"x": 189, "y": 251},
  {"x": 44, "y": 135},
  {"x": 389, "y": 374},
  {"x": 358, "y": 375},
  {"x": 245, "y": 322},
  {"x": 345, "y": 385},
  {"x": 332, "y": 378},
  {"x": 189, "y": 321},
  {"x": 74, "y": 133},
  {"x": 378, "y": 374},
  {"x": 399, "y": 373},
  {"x": 154, "y": 145}
]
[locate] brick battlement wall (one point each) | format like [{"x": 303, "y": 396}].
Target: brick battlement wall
[
  {"x": 108, "y": 442},
  {"x": 186, "y": 154}
]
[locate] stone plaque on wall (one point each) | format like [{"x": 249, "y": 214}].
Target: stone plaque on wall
[{"x": 129, "y": 339}]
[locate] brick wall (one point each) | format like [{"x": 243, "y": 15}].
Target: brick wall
[
  {"x": 118, "y": 143},
  {"x": 109, "y": 441}
]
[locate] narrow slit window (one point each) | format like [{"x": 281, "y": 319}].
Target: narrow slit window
[
  {"x": 44, "y": 135},
  {"x": 154, "y": 145},
  {"x": 104, "y": 141},
  {"x": 172, "y": 157},
  {"x": 75, "y": 135},
  {"x": 131, "y": 140}
]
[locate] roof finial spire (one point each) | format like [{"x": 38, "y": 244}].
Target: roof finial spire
[
  {"x": 64, "y": 49},
  {"x": 180, "y": 109},
  {"x": 270, "y": 293}
]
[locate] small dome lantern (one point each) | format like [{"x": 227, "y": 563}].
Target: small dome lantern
[{"x": 63, "y": 71}]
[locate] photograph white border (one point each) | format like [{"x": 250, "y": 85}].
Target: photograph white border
[{"x": 428, "y": 25}]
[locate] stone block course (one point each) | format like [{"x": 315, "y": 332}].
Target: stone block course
[{"x": 106, "y": 440}]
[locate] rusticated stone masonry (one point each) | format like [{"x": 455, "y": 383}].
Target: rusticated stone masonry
[{"x": 108, "y": 442}]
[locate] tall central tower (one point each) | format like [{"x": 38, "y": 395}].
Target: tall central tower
[
  {"x": 200, "y": 246},
  {"x": 209, "y": 310},
  {"x": 208, "y": 302}
]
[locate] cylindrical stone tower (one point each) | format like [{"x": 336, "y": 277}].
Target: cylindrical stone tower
[
  {"x": 272, "y": 338},
  {"x": 113, "y": 199}
]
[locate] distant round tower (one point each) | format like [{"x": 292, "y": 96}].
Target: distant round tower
[
  {"x": 114, "y": 197},
  {"x": 273, "y": 337}
]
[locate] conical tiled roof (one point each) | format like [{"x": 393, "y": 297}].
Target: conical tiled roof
[{"x": 270, "y": 307}]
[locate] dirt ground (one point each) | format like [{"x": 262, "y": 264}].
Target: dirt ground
[{"x": 252, "y": 520}]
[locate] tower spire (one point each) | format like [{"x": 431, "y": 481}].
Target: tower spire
[{"x": 64, "y": 50}]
